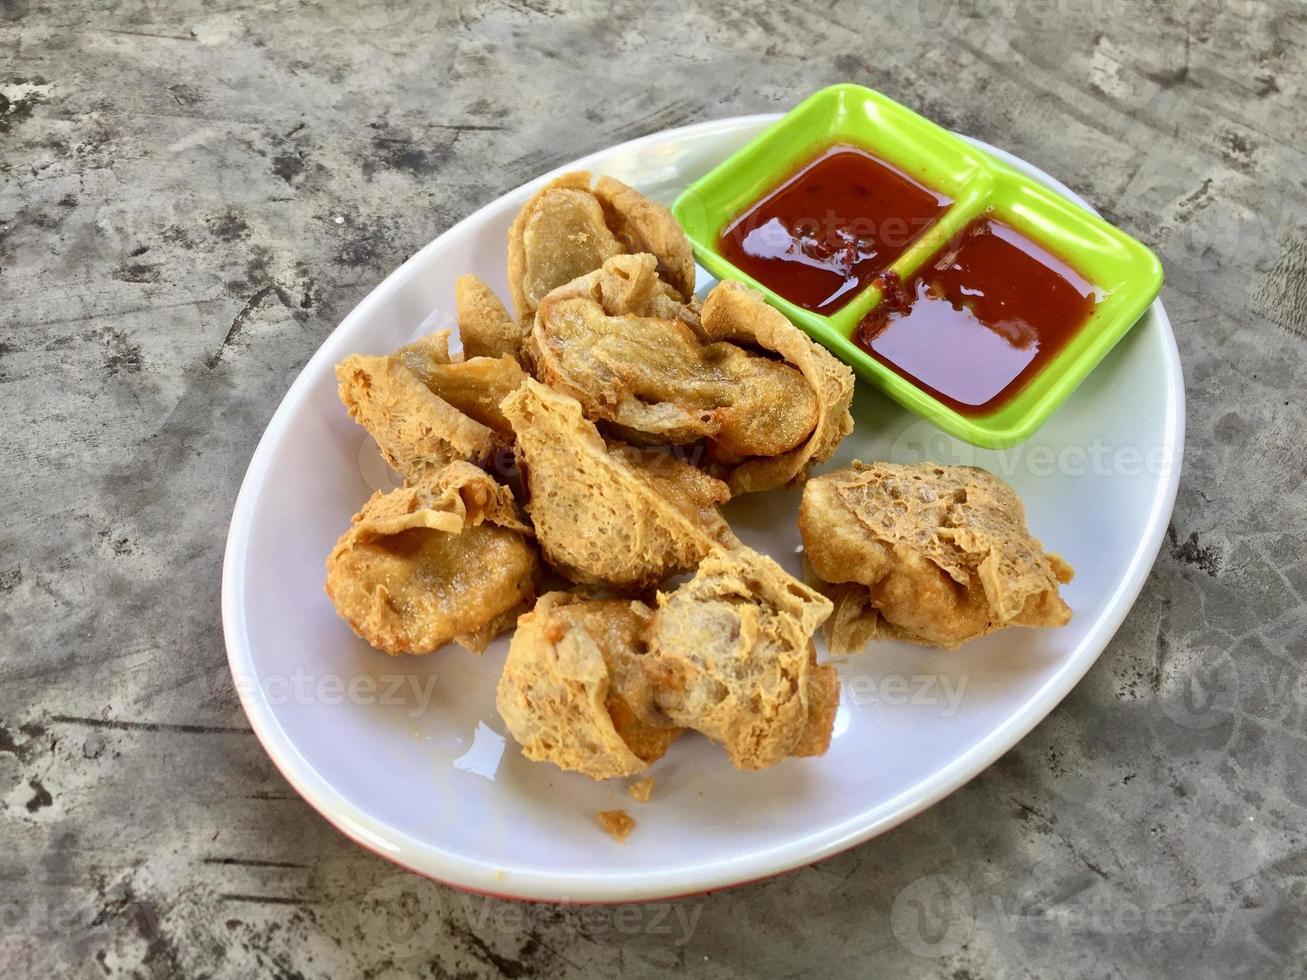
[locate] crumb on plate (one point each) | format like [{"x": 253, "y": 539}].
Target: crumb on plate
[
  {"x": 618, "y": 824},
  {"x": 641, "y": 789}
]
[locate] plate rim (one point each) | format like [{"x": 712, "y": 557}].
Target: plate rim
[{"x": 472, "y": 875}]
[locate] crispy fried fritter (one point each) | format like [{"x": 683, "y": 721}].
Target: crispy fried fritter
[
  {"x": 417, "y": 430},
  {"x": 572, "y": 691},
  {"x": 646, "y": 226},
  {"x": 566, "y": 231},
  {"x": 484, "y": 326},
  {"x": 630, "y": 284},
  {"x": 559, "y": 235},
  {"x": 731, "y": 655},
  {"x": 937, "y": 554},
  {"x": 606, "y": 515},
  {"x": 444, "y": 559},
  {"x": 737, "y": 313},
  {"x": 854, "y": 622},
  {"x": 633, "y": 356},
  {"x": 426, "y": 410},
  {"x": 477, "y": 386}
]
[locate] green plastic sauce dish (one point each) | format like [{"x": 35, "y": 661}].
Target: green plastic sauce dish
[{"x": 1125, "y": 274}]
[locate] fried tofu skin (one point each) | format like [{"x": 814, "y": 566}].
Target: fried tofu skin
[
  {"x": 609, "y": 515},
  {"x": 736, "y": 313},
  {"x": 568, "y": 230},
  {"x": 854, "y": 621},
  {"x": 927, "y": 553},
  {"x": 731, "y": 656},
  {"x": 445, "y": 559},
  {"x": 634, "y": 357},
  {"x": 643, "y": 225},
  {"x": 573, "y": 693},
  {"x": 426, "y": 410},
  {"x": 485, "y": 327},
  {"x": 418, "y": 431},
  {"x": 476, "y": 387}
]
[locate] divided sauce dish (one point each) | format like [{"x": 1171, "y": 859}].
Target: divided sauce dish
[{"x": 1124, "y": 275}]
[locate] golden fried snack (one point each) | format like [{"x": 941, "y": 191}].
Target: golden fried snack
[
  {"x": 629, "y": 284},
  {"x": 646, "y": 226},
  {"x": 731, "y": 655},
  {"x": 444, "y": 559},
  {"x": 932, "y": 554},
  {"x": 566, "y": 231},
  {"x": 476, "y": 387},
  {"x": 559, "y": 235},
  {"x": 572, "y": 691},
  {"x": 633, "y": 356},
  {"x": 485, "y": 327},
  {"x": 417, "y": 430},
  {"x": 854, "y": 621},
  {"x": 609, "y": 515},
  {"x": 737, "y": 313}
]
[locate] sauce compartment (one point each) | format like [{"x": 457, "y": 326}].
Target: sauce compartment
[
  {"x": 827, "y": 230},
  {"x": 884, "y": 135},
  {"x": 980, "y": 318}
]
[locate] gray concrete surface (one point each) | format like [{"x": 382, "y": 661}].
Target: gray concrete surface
[{"x": 170, "y": 179}]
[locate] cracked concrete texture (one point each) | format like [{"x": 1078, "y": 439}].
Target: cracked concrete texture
[{"x": 193, "y": 197}]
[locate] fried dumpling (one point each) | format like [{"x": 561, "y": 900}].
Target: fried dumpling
[
  {"x": 731, "y": 655},
  {"x": 609, "y": 515},
  {"x": 633, "y": 356},
  {"x": 424, "y": 410},
  {"x": 476, "y": 387},
  {"x": 444, "y": 559},
  {"x": 485, "y": 327},
  {"x": 417, "y": 431},
  {"x": 573, "y": 693},
  {"x": 568, "y": 230},
  {"x": 854, "y": 621},
  {"x": 927, "y": 553},
  {"x": 736, "y": 313},
  {"x": 646, "y": 226}
]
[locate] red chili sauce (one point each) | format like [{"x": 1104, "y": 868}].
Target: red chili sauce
[
  {"x": 827, "y": 230},
  {"x": 973, "y": 327}
]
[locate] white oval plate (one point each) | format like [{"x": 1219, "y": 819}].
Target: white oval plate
[{"x": 406, "y": 755}]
